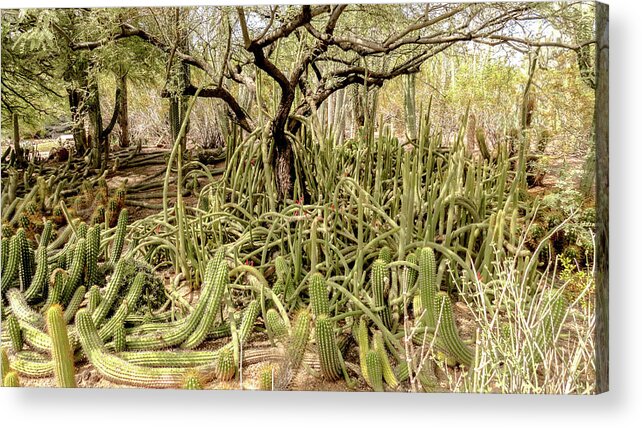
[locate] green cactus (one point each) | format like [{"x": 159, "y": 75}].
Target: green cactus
[
  {"x": 22, "y": 310},
  {"x": 111, "y": 292},
  {"x": 119, "y": 241},
  {"x": 39, "y": 283},
  {"x": 319, "y": 301},
  {"x": 225, "y": 367},
  {"x": 448, "y": 331},
  {"x": 108, "y": 330},
  {"x": 25, "y": 271},
  {"x": 15, "y": 334},
  {"x": 117, "y": 369},
  {"x": 11, "y": 379},
  {"x": 172, "y": 358},
  {"x": 380, "y": 349},
  {"x": 91, "y": 258},
  {"x": 378, "y": 276},
  {"x": 120, "y": 338},
  {"x": 275, "y": 324},
  {"x": 411, "y": 274},
  {"x": 93, "y": 297},
  {"x": 81, "y": 231},
  {"x": 375, "y": 374},
  {"x": 385, "y": 254},
  {"x": 218, "y": 275},
  {"x": 10, "y": 269},
  {"x": 56, "y": 287},
  {"x": 45, "y": 236},
  {"x": 552, "y": 319},
  {"x": 61, "y": 352},
  {"x": 33, "y": 365},
  {"x": 74, "y": 304},
  {"x": 427, "y": 285},
  {"x": 363, "y": 343},
  {"x": 192, "y": 381},
  {"x": 266, "y": 378},
  {"x": 4, "y": 253},
  {"x": 75, "y": 272},
  {"x": 298, "y": 340},
  {"x": 328, "y": 349},
  {"x": 4, "y": 363}
]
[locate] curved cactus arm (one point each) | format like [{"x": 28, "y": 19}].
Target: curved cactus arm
[
  {"x": 39, "y": 283},
  {"x": 119, "y": 240},
  {"x": 447, "y": 331},
  {"x": 61, "y": 352},
  {"x": 45, "y": 236},
  {"x": 25, "y": 269},
  {"x": 74, "y": 304},
  {"x": 170, "y": 358},
  {"x": 118, "y": 370},
  {"x": 92, "y": 252},
  {"x": 33, "y": 367},
  {"x": 111, "y": 292},
  {"x": 15, "y": 334},
  {"x": 364, "y": 345},
  {"x": 374, "y": 370},
  {"x": 10, "y": 270},
  {"x": 75, "y": 271},
  {"x": 93, "y": 298},
  {"x": 22, "y": 310},
  {"x": 380, "y": 349}
]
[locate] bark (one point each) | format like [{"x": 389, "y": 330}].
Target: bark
[
  {"x": 16, "y": 140},
  {"x": 123, "y": 118},
  {"x": 602, "y": 196}
]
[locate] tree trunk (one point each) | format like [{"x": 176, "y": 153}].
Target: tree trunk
[
  {"x": 123, "y": 119},
  {"x": 78, "y": 123},
  {"x": 16, "y": 140},
  {"x": 602, "y": 196},
  {"x": 96, "y": 125}
]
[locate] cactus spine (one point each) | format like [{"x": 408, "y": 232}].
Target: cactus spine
[
  {"x": 119, "y": 241},
  {"x": 379, "y": 274},
  {"x": 328, "y": 350},
  {"x": 61, "y": 353},
  {"x": 319, "y": 301}
]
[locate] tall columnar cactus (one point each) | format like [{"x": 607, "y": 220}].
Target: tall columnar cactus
[
  {"x": 25, "y": 271},
  {"x": 378, "y": 276},
  {"x": 45, "y": 236},
  {"x": 75, "y": 272},
  {"x": 411, "y": 274},
  {"x": 328, "y": 349},
  {"x": 380, "y": 349},
  {"x": 74, "y": 304},
  {"x": 56, "y": 286},
  {"x": 61, "y": 353},
  {"x": 15, "y": 334},
  {"x": 119, "y": 241},
  {"x": 225, "y": 367},
  {"x": 39, "y": 283},
  {"x": 375, "y": 375},
  {"x": 298, "y": 339},
  {"x": 10, "y": 270},
  {"x": 11, "y": 380},
  {"x": 447, "y": 331},
  {"x": 217, "y": 274},
  {"x": 275, "y": 324},
  {"x": 4, "y": 253},
  {"x": 92, "y": 253},
  {"x": 319, "y": 301},
  {"x": 120, "y": 338},
  {"x": 428, "y": 285},
  {"x": 363, "y": 342}
]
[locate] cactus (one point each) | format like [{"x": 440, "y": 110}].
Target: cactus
[
  {"x": 411, "y": 274},
  {"x": 385, "y": 254},
  {"x": 22, "y": 310},
  {"x": 91, "y": 258},
  {"x": 25, "y": 271},
  {"x": 380, "y": 349},
  {"x": 116, "y": 369},
  {"x": 375, "y": 374},
  {"x": 4, "y": 363},
  {"x": 4, "y": 253},
  {"x": 108, "y": 330},
  {"x": 10, "y": 270},
  {"x": 363, "y": 344},
  {"x": 295, "y": 349},
  {"x": 39, "y": 282},
  {"x": 61, "y": 352},
  {"x": 328, "y": 350},
  {"x": 275, "y": 324},
  {"x": 15, "y": 334},
  {"x": 192, "y": 381},
  {"x": 266, "y": 378},
  {"x": 171, "y": 358},
  {"x": 319, "y": 301},
  {"x": 427, "y": 285},
  {"x": 119, "y": 240},
  {"x": 75, "y": 272},
  {"x": 11, "y": 379},
  {"x": 171, "y": 336},
  {"x": 378, "y": 276},
  {"x": 93, "y": 297},
  {"x": 45, "y": 236},
  {"x": 111, "y": 292},
  {"x": 552, "y": 320},
  {"x": 74, "y": 304},
  {"x": 217, "y": 274},
  {"x": 82, "y": 230},
  {"x": 120, "y": 338},
  {"x": 56, "y": 287},
  {"x": 33, "y": 365},
  {"x": 225, "y": 367},
  {"x": 448, "y": 331}
]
